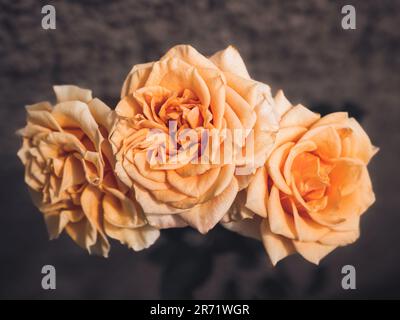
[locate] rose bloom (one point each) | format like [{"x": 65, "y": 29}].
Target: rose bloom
[
  {"x": 207, "y": 97},
  {"x": 313, "y": 189},
  {"x": 69, "y": 170}
]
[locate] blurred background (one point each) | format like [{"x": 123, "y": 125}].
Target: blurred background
[{"x": 298, "y": 46}]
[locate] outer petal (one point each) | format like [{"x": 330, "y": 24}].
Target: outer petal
[
  {"x": 280, "y": 222},
  {"x": 313, "y": 251},
  {"x": 257, "y": 193},
  {"x": 70, "y": 93},
  {"x": 299, "y": 116},
  {"x": 204, "y": 217},
  {"x": 229, "y": 60},
  {"x": 247, "y": 227},
  {"x": 277, "y": 247},
  {"x": 137, "y": 238},
  {"x": 166, "y": 221}
]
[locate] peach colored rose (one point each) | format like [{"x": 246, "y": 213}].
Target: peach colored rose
[
  {"x": 191, "y": 92},
  {"x": 309, "y": 196},
  {"x": 69, "y": 170}
]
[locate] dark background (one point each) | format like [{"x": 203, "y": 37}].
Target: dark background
[{"x": 298, "y": 46}]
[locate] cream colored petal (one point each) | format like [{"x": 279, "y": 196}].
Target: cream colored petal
[
  {"x": 232, "y": 119},
  {"x": 263, "y": 145},
  {"x": 77, "y": 114},
  {"x": 73, "y": 173},
  {"x": 193, "y": 169},
  {"x": 190, "y": 55},
  {"x": 142, "y": 164},
  {"x": 216, "y": 86},
  {"x": 55, "y": 223},
  {"x": 150, "y": 205},
  {"x": 360, "y": 146},
  {"x": 66, "y": 142},
  {"x": 250, "y": 90},
  {"x": 238, "y": 211},
  {"x": 257, "y": 193},
  {"x": 174, "y": 198},
  {"x": 70, "y": 93},
  {"x": 91, "y": 199},
  {"x": 241, "y": 108},
  {"x": 349, "y": 224},
  {"x": 40, "y": 106},
  {"x": 136, "y": 239},
  {"x": 85, "y": 235},
  {"x": 221, "y": 184},
  {"x": 280, "y": 222},
  {"x": 42, "y": 118},
  {"x": 338, "y": 238},
  {"x": 128, "y": 107},
  {"x": 247, "y": 227},
  {"x": 102, "y": 114},
  {"x": 204, "y": 217},
  {"x": 365, "y": 194},
  {"x": 136, "y": 176},
  {"x": 282, "y": 104},
  {"x": 136, "y": 78},
  {"x": 244, "y": 180},
  {"x": 289, "y": 134},
  {"x": 312, "y": 251},
  {"x": 229, "y": 60},
  {"x": 166, "y": 221},
  {"x": 267, "y": 120},
  {"x": 277, "y": 247},
  {"x": 120, "y": 211},
  {"x": 176, "y": 75},
  {"x": 331, "y": 119},
  {"x": 193, "y": 186},
  {"x": 299, "y": 116}
]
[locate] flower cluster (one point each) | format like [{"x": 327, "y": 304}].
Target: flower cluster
[{"x": 195, "y": 141}]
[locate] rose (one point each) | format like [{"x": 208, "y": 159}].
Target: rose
[
  {"x": 208, "y": 97},
  {"x": 309, "y": 196},
  {"x": 69, "y": 170}
]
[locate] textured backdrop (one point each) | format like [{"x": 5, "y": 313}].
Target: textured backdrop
[{"x": 298, "y": 46}]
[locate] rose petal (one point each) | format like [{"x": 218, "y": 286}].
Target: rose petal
[
  {"x": 70, "y": 93},
  {"x": 280, "y": 222},
  {"x": 136, "y": 239},
  {"x": 166, "y": 221},
  {"x": 204, "y": 217},
  {"x": 327, "y": 141},
  {"x": 136, "y": 78},
  {"x": 299, "y": 116},
  {"x": 307, "y": 229},
  {"x": 257, "y": 193},
  {"x": 277, "y": 247},
  {"x": 313, "y": 251},
  {"x": 275, "y": 165},
  {"x": 247, "y": 227},
  {"x": 229, "y": 60}
]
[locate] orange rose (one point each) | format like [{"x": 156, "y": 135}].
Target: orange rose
[
  {"x": 69, "y": 170},
  {"x": 188, "y": 91},
  {"x": 309, "y": 196}
]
